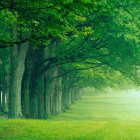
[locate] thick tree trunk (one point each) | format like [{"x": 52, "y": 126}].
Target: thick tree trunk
[
  {"x": 53, "y": 104},
  {"x": 36, "y": 84},
  {"x": 41, "y": 98},
  {"x": 25, "y": 100},
  {"x": 58, "y": 92},
  {"x": 33, "y": 95},
  {"x": 47, "y": 97},
  {"x": 49, "y": 94},
  {"x": 47, "y": 106},
  {"x": 18, "y": 55},
  {"x": 34, "y": 106},
  {"x": 26, "y": 82}
]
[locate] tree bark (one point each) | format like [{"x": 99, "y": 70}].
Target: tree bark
[
  {"x": 25, "y": 100},
  {"x": 0, "y": 99},
  {"x": 3, "y": 100},
  {"x": 41, "y": 98},
  {"x": 26, "y": 83},
  {"x": 64, "y": 99},
  {"x": 58, "y": 94},
  {"x": 17, "y": 59},
  {"x": 47, "y": 97}
]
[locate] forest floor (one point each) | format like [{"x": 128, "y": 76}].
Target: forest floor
[{"x": 101, "y": 116}]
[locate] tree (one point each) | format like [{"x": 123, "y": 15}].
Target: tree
[{"x": 59, "y": 47}]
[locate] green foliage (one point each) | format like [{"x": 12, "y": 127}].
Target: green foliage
[{"x": 87, "y": 33}]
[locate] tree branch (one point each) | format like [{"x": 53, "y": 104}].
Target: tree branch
[{"x": 76, "y": 70}]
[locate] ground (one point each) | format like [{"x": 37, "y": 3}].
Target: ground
[{"x": 97, "y": 116}]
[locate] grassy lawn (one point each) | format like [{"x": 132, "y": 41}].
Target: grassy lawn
[{"x": 114, "y": 116}]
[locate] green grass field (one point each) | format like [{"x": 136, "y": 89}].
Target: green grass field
[{"x": 98, "y": 116}]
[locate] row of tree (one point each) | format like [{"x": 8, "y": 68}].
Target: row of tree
[{"x": 50, "y": 50}]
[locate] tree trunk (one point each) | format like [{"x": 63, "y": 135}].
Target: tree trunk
[
  {"x": 33, "y": 96},
  {"x": 64, "y": 99},
  {"x": 47, "y": 97},
  {"x": 34, "y": 106},
  {"x": 18, "y": 55},
  {"x": 68, "y": 98},
  {"x": 25, "y": 100},
  {"x": 58, "y": 93},
  {"x": 3, "y": 100},
  {"x": 53, "y": 104},
  {"x": 41, "y": 98},
  {"x": 7, "y": 98},
  {"x": 6, "y": 90},
  {"x": 47, "y": 106},
  {"x": 73, "y": 95},
  {"x": 0, "y": 99}
]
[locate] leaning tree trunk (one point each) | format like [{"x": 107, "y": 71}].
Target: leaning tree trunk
[{"x": 17, "y": 59}]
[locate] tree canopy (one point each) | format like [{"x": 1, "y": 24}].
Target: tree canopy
[{"x": 76, "y": 43}]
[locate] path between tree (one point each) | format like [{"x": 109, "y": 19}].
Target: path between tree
[{"x": 113, "y": 105}]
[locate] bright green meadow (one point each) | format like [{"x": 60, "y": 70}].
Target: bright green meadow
[{"x": 97, "y": 116}]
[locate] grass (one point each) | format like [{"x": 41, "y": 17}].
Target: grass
[{"x": 105, "y": 116}]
